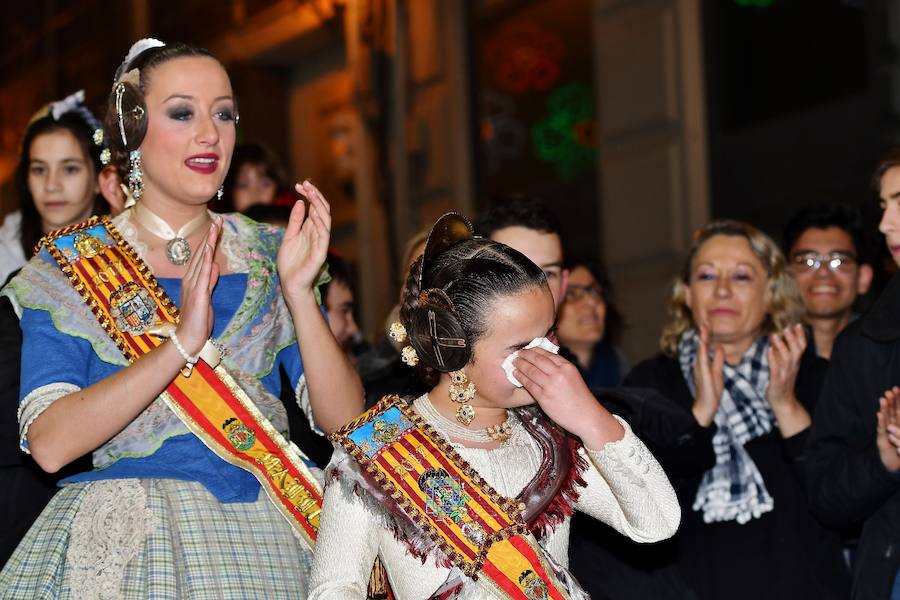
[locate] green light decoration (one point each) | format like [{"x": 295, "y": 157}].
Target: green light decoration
[
  {"x": 756, "y": 3},
  {"x": 567, "y": 137}
]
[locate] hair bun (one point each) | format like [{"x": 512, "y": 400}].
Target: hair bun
[
  {"x": 437, "y": 335},
  {"x": 449, "y": 291}
]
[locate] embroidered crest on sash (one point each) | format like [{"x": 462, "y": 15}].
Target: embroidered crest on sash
[
  {"x": 240, "y": 436},
  {"x": 382, "y": 432},
  {"x": 444, "y": 495},
  {"x": 474, "y": 533},
  {"x": 385, "y": 433},
  {"x": 84, "y": 243},
  {"x": 534, "y": 588},
  {"x": 133, "y": 308}
]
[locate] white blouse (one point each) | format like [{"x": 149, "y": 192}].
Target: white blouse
[
  {"x": 12, "y": 256},
  {"x": 626, "y": 489}
]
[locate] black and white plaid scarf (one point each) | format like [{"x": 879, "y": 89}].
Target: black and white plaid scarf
[{"x": 733, "y": 490}]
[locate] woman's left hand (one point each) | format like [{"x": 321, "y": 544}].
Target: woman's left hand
[
  {"x": 305, "y": 244},
  {"x": 785, "y": 351},
  {"x": 557, "y": 387}
]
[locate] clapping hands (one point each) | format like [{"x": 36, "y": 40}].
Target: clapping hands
[
  {"x": 196, "y": 321},
  {"x": 785, "y": 352},
  {"x": 887, "y": 437},
  {"x": 709, "y": 380},
  {"x": 305, "y": 244}
]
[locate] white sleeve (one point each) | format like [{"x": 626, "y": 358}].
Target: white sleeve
[
  {"x": 347, "y": 543},
  {"x": 628, "y": 490},
  {"x": 301, "y": 393},
  {"x": 35, "y": 403}
]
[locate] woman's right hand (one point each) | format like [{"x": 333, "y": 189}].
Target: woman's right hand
[
  {"x": 708, "y": 380},
  {"x": 887, "y": 437},
  {"x": 196, "y": 321},
  {"x": 560, "y": 391}
]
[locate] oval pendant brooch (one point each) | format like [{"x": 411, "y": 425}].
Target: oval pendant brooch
[{"x": 178, "y": 251}]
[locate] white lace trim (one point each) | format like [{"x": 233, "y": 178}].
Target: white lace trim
[
  {"x": 36, "y": 403},
  {"x": 620, "y": 445},
  {"x": 129, "y": 231},
  {"x": 301, "y": 393},
  {"x": 108, "y": 531}
]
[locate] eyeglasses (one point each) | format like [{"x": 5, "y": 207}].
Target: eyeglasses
[
  {"x": 835, "y": 261},
  {"x": 575, "y": 292}
]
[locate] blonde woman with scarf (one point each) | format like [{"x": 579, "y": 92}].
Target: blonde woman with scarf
[{"x": 734, "y": 357}]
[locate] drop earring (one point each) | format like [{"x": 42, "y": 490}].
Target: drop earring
[
  {"x": 135, "y": 175},
  {"x": 462, "y": 391},
  {"x": 220, "y": 193}
]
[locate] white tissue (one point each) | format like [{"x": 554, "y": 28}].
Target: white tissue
[{"x": 540, "y": 342}]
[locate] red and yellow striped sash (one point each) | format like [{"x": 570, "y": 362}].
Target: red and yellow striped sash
[
  {"x": 127, "y": 301},
  {"x": 480, "y": 532}
]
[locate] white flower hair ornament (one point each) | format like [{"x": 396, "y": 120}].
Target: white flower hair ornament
[
  {"x": 136, "y": 49},
  {"x": 73, "y": 103},
  {"x": 67, "y": 104}
]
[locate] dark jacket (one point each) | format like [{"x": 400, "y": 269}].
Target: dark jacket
[
  {"x": 607, "y": 564},
  {"x": 315, "y": 445},
  {"x": 607, "y": 367},
  {"x": 785, "y": 553},
  {"x": 26, "y": 487},
  {"x": 847, "y": 481}
]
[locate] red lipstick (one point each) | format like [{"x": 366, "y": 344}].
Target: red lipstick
[{"x": 203, "y": 163}]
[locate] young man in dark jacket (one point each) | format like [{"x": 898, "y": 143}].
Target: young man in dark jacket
[{"x": 853, "y": 470}]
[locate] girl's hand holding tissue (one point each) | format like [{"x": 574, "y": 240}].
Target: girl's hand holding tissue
[
  {"x": 540, "y": 342},
  {"x": 559, "y": 390}
]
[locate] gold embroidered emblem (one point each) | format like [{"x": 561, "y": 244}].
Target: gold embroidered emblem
[
  {"x": 87, "y": 245},
  {"x": 386, "y": 433}
]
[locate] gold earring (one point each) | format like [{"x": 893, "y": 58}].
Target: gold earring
[{"x": 462, "y": 391}]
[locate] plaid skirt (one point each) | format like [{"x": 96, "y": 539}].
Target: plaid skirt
[{"x": 156, "y": 538}]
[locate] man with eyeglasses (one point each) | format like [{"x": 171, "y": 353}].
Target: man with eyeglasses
[{"x": 822, "y": 245}]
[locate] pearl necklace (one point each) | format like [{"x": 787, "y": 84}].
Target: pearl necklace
[
  {"x": 496, "y": 433},
  {"x": 178, "y": 250}
]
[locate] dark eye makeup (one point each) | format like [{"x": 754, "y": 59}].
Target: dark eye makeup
[{"x": 180, "y": 113}]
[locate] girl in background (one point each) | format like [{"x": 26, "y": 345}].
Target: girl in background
[{"x": 56, "y": 178}]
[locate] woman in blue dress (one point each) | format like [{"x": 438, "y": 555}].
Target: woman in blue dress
[{"x": 162, "y": 515}]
